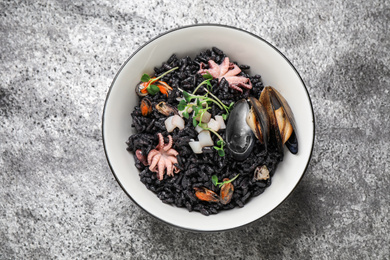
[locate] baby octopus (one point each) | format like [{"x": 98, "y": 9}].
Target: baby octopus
[
  {"x": 229, "y": 71},
  {"x": 163, "y": 157}
]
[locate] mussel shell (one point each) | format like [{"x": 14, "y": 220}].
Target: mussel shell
[
  {"x": 262, "y": 125},
  {"x": 166, "y": 109},
  {"x": 138, "y": 89},
  {"x": 146, "y": 107},
  {"x": 272, "y": 100},
  {"x": 226, "y": 192},
  {"x": 239, "y": 136}
]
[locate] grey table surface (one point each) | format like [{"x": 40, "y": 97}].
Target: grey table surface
[{"x": 58, "y": 197}]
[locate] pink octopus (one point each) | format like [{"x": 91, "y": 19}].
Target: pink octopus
[
  {"x": 229, "y": 71},
  {"x": 163, "y": 157}
]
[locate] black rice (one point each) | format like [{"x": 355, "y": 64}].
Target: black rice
[{"x": 196, "y": 169}]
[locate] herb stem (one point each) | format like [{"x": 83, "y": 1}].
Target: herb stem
[
  {"x": 165, "y": 73},
  {"x": 202, "y": 83},
  {"x": 220, "y": 102},
  {"x": 214, "y": 132}
]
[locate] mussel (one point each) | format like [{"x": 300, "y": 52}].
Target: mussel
[
  {"x": 268, "y": 118},
  {"x": 146, "y": 106},
  {"x": 140, "y": 89},
  {"x": 205, "y": 194},
  {"x": 282, "y": 122},
  {"x": 226, "y": 192},
  {"x": 166, "y": 109},
  {"x": 247, "y": 120}
]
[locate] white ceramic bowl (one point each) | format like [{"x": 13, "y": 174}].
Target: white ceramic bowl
[{"x": 242, "y": 47}]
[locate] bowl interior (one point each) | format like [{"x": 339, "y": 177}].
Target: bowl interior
[{"x": 242, "y": 47}]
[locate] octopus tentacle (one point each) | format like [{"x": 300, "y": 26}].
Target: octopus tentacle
[
  {"x": 151, "y": 154},
  {"x": 172, "y": 152},
  {"x": 247, "y": 86},
  {"x": 155, "y": 162},
  {"x": 169, "y": 166},
  {"x": 235, "y": 87},
  {"x": 224, "y": 67},
  {"x": 160, "y": 141},
  {"x": 161, "y": 168},
  {"x": 169, "y": 145},
  {"x": 163, "y": 157},
  {"x": 233, "y": 72},
  {"x": 229, "y": 71}
]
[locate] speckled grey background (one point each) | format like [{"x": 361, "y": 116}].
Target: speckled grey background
[{"x": 58, "y": 198}]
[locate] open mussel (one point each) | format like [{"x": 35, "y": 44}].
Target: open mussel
[
  {"x": 268, "y": 118},
  {"x": 282, "y": 122},
  {"x": 247, "y": 120}
]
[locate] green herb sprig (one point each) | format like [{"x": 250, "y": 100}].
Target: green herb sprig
[
  {"x": 201, "y": 106},
  {"x": 150, "y": 87},
  {"x": 206, "y": 82},
  {"x": 215, "y": 181}
]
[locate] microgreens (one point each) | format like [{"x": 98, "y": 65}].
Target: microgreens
[
  {"x": 148, "y": 82},
  {"x": 201, "y": 106},
  {"x": 215, "y": 181},
  {"x": 207, "y": 80}
]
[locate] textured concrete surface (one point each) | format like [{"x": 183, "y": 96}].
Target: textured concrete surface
[{"x": 58, "y": 198}]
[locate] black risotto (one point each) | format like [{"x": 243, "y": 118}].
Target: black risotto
[{"x": 196, "y": 170}]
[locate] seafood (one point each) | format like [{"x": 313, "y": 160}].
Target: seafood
[
  {"x": 142, "y": 88},
  {"x": 239, "y": 136},
  {"x": 255, "y": 122},
  {"x": 270, "y": 120},
  {"x": 229, "y": 71},
  {"x": 166, "y": 109},
  {"x": 141, "y": 157},
  {"x": 226, "y": 192},
  {"x": 146, "y": 106},
  {"x": 243, "y": 125},
  {"x": 282, "y": 122},
  {"x": 205, "y": 194},
  {"x": 163, "y": 157},
  {"x": 261, "y": 173}
]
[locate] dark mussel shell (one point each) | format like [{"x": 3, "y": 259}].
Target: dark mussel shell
[
  {"x": 273, "y": 101},
  {"x": 239, "y": 136},
  {"x": 247, "y": 120},
  {"x": 140, "y": 89},
  {"x": 258, "y": 120}
]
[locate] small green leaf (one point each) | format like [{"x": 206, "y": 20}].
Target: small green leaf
[
  {"x": 224, "y": 116},
  {"x": 221, "y": 152},
  {"x": 207, "y": 76},
  {"x": 231, "y": 106},
  {"x": 209, "y": 85},
  {"x": 186, "y": 96},
  {"x": 145, "y": 78},
  {"x": 220, "y": 142},
  {"x": 181, "y": 107},
  {"x": 186, "y": 115},
  {"x": 214, "y": 179},
  {"x": 196, "y": 109},
  {"x": 153, "y": 89},
  {"x": 198, "y": 102},
  {"x": 194, "y": 122}
]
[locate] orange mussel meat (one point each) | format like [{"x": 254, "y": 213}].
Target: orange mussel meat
[
  {"x": 226, "y": 192},
  {"x": 205, "y": 194},
  {"x": 146, "y": 106}
]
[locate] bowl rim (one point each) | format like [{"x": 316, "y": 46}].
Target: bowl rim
[{"x": 181, "y": 28}]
